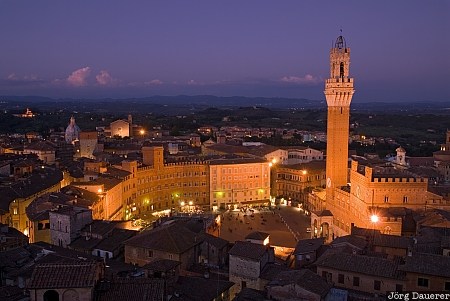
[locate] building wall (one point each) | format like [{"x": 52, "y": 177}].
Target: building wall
[
  {"x": 296, "y": 156},
  {"x": 64, "y": 227},
  {"x": 296, "y": 183},
  {"x": 366, "y": 282},
  {"x": 290, "y": 292},
  {"x": 129, "y": 189},
  {"x": 234, "y": 184},
  {"x": 48, "y": 157},
  {"x": 79, "y": 294},
  {"x": 368, "y": 191},
  {"x": 110, "y": 205},
  {"x": 88, "y": 143},
  {"x": 435, "y": 283},
  {"x": 39, "y": 233},
  {"x": 120, "y": 128},
  {"x": 279, "y": 156},
  {"x": 19, "y": 219},
  {"x": 140, "y": 256},
  {"x": 242, "y": 269}
]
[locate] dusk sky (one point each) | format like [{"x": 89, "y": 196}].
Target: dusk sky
[{"x": 91, "y": 49}]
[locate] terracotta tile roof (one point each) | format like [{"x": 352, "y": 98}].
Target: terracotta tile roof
[
  {"x": 236, "y": 161},
  {"x": 162, "y": 265},
  {"x": 313, "y": 165},
  {"x": 305, "y": 279},
  {"x": 257, "y": 235},
  {"x": 199, "y": 288},
  {"x": 271, "y": 270},
  {"x": 250, "y": 294},
  {"x": 40, "y": 180},
  {"x": 215, "y": 241},
  {"x": 12, "y": 293},
  {"x": 393, "y": 241},
  {"x": 172, "y": 238},
  {"x": 248, "y": 250},
  {"x": 63, "y": 275},
  {"x": 308, "y": 245},
  {"x": 350, "y": 240},
  {"x": 41, "y": 146},
  {"x": 323, "y": 213},
  {"x": 116, "y": 239},
  {"x": 374, "y": 266},
  {"x": 137, "y": 289},
  {"x": 427, "y": 264}
]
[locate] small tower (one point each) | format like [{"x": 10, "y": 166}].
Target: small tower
[{"x": 401, "y": 156}]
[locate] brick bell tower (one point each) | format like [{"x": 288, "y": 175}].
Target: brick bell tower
[{"x": 338, "y": 93}]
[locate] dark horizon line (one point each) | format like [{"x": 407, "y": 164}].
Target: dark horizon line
[{"x": 37, "y": 98}]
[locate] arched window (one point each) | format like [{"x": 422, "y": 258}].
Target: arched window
[
  {"x": 341, "y": 70},
  {"x": 51, "y": 295},
  {"x": 387, "y": 230}
]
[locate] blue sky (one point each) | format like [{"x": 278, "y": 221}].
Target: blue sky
[{"x": 89, "y": 49}]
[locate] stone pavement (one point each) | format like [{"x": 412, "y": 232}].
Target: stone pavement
[{"x": 285, "y": 226}]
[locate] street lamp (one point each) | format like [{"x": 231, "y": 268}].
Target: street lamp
[{"x": 374, "y": 219}]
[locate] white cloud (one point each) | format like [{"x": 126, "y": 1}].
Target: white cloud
[
  {"x": 105, "y": 79},
  {"x": 78, "y": 78},
  {"x": 12, "y": 76},
  {"x": 192, "y": 82},
  {"x": 307, "y": 79},
  {"x": 154, "y": 82}
]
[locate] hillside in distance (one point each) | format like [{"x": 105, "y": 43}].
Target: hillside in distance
[{"x": 183, "y": 104}]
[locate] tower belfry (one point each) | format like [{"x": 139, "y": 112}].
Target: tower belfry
[{"x": 338, "y": 93}]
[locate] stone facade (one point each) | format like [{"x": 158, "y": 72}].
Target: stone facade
[
  {"x": 237, "y": 182},
  {"x": 66, "y": 223},
  {"x": 296, "y": 181}
]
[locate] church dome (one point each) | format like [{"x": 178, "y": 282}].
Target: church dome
[
  {"x": 400, "y": 150},
  {"x": 72, "y": 131}
]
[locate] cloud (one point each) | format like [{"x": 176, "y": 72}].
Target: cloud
[
  {"x": 154, "y": 82},
  {"x": 307, "y": 79},
  {"x": 78, "y": 78},
  {"x": 12, "y": 76},
  {"x": 105, "y": 79},
  {"x": 13, "y": 80},
  {"x": 192, "y": 82}
]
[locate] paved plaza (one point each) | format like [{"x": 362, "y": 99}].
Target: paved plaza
[{"x": 285, "y": 225}]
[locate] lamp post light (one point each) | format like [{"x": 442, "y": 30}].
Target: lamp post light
[{"x": 374, "y": 219}]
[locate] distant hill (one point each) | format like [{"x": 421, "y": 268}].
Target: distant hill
[{"x": 183, "y": 104}]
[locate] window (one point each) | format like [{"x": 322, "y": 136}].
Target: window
[
  {"x": 150, "y": 253},
  {"x": 405, "y": 199},
  {"x": 377, "y": 285},
  {"x": 355, "y": 281},
  {"x": 341, "y": 278},
  {"x": 386, "y": 199},
  {"x": 324, "y": 274},
  {"x": 14, "y": 210},
  {"x": 422, "y": 282}
]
